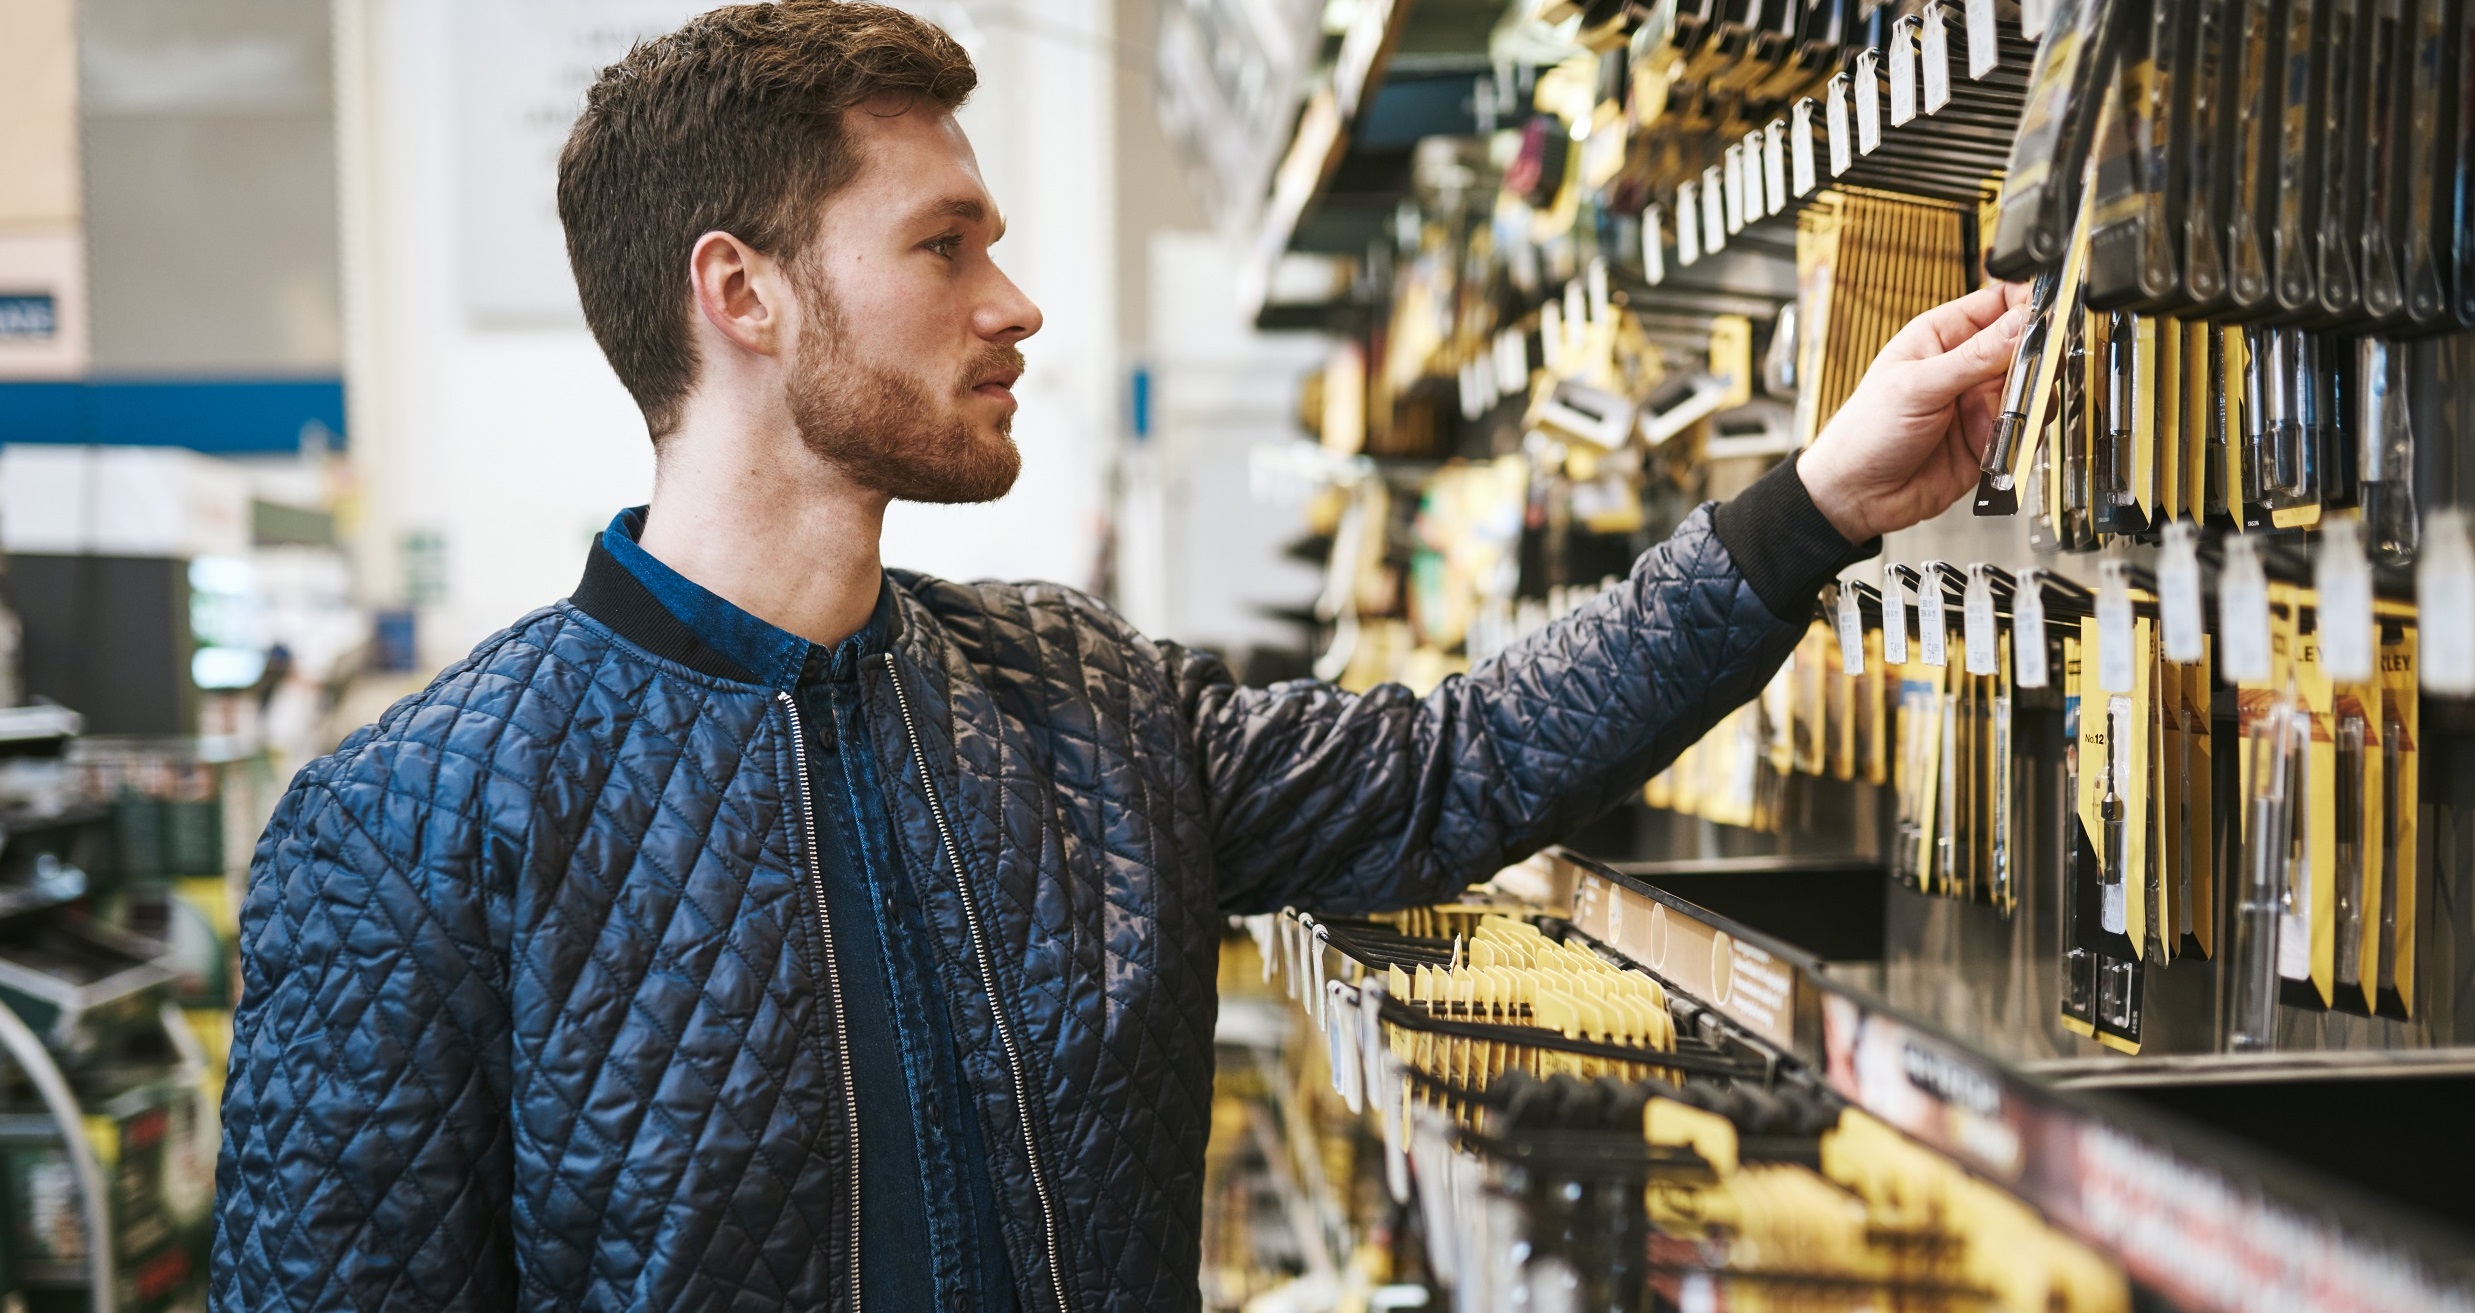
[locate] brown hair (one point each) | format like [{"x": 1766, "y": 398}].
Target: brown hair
[{"x": 733, "y": 123}]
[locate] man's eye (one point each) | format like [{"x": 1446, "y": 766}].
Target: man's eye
[{"x": 945, "y": 246}]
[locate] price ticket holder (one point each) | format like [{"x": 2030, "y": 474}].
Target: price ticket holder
[{"x": 2203, "y": 1223}]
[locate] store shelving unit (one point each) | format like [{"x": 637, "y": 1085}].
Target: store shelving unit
[
  {"x": 2199, "y": 1219},
  {"x": 1973, "y": 985}
]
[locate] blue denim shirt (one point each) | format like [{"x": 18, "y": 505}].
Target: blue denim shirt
[{"x": 929, "y": 1234}]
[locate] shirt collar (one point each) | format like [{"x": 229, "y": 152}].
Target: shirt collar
[{"x": 774, "y": 655}]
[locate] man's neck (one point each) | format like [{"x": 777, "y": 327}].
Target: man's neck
[{"x": 787, "y": 540}]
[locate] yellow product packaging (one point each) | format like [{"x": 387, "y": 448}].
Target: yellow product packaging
[
  {"x": 2141, "y": 909},
  {"x": 2355, "y": 730},
  {"x": 2200, "y": 863},
  {"x": 2315, "y": 901},
  {"x": 2393, "y": 977},
  {"x": 2165, "y": 811}
]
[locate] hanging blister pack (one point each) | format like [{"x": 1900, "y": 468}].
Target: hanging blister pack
[
  {"x": 2272, "y": 740},
  {"x": 2345, "y": 150},
  {"x": 2387, "y": 41},
  {"x": 2041, "y": 186},
  {"x": 2293, "y": 246},
  {"x": 2252, "y": 196},
  {"x": 2430, "y": 88},
  {"x": 2210, "y": 146},
  {"x": 2462, "y": 241},
  {"x": 2391, "y": 969},
  {"x": 2385, "y": 460},
  {"x": 2133, "y": 261}
]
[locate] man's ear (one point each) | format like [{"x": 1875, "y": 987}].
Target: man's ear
[{"x": 743, "y": 292}]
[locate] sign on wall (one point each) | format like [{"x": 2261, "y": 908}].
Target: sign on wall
[
  {"x": 42, "y": 305},
  {"x": 522, "y": 68}
]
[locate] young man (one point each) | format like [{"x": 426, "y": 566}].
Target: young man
[{"x": 758, "y": 928}]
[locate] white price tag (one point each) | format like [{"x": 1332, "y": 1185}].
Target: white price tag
[
  {"x": 1714, "y": 219},
  {"x": 2445, "y": 600},
  {"x": 1551, "y": 335},
  {"x": 1937, "y": 58},
  {"x": 2028, "y": 663},
  {"x": 1373, "y": 1053},
  {"x": 1977, "y": 620},
  {"x": 1512, "y": 361},
  {"x": 1316, "y": 1000},
  {"x": 1653, "y": 250},
  {"x": 1577, "y": 319},
  {"x": 1756, "y": 206},
  {"x": 1983, "y": 51},
  {"x": 1283, "y": 940},
  {"x": 1894, "y": 620},
  {"x": 2117, "y": 663},
  {"x": 1800, "y": 146},
  {"x": 1931, "y": 619},
  {"x": 1732, "y": 170},
  {"x": 1774, "y": 166},
  {"x": 1688, "y": 223},
  {"x": 1841, "y": 154},
  {"x": 1596, "y": 283},
  {"x": 1903, "y": 70},
  {"x": 2243, "y": 614},
  {"x": 1851, "y": 632},
  {"x": 2178, "y": 594},
  {"x": 2343, "y": 578},
  {"x": 1868, "y": 93},
  {"x": 1348, "y": 1068},
  {"x": 2035, "y": 17}
]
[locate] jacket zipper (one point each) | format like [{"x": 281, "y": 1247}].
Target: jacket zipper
[
  {"x": 833, "y": 972},
  {"x": 988, "y": 982}
]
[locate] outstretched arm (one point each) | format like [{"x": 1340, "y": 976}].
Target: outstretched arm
[{"x": 1354, "y": 802}]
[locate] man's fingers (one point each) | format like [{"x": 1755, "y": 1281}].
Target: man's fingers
[
  {"x": 1981, "y": 358},
  {"x": 1952, "y": 323},
  {"x": 1977, "y": 411}
]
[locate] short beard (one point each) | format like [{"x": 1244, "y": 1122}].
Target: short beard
[{"x": 883, "y": 429}]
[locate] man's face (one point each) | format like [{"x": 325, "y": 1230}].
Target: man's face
[{"x": 906, "y": 359}]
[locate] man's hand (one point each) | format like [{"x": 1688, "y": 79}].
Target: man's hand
[{"x": 1907, "y": 442}]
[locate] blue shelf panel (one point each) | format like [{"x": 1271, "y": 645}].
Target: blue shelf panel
[{"x": 222, "y": 416}]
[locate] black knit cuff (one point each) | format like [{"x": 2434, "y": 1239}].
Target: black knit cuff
[{"x": 1782, "y": 543}]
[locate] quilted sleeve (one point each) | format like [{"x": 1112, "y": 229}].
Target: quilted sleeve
[
  {"x": 1343, "y": 803},
  {"x": 366, "y": 1155}
]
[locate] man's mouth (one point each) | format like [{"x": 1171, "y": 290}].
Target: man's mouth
[{"x": 999, "y": 386}]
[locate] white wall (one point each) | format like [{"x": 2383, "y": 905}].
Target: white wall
[
  {"x": 1198, "y": 553},
  {"x": 507, "y": 434}
]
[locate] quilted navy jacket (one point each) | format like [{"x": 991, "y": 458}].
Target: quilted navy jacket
[{"x": 537, "y": 1006}]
